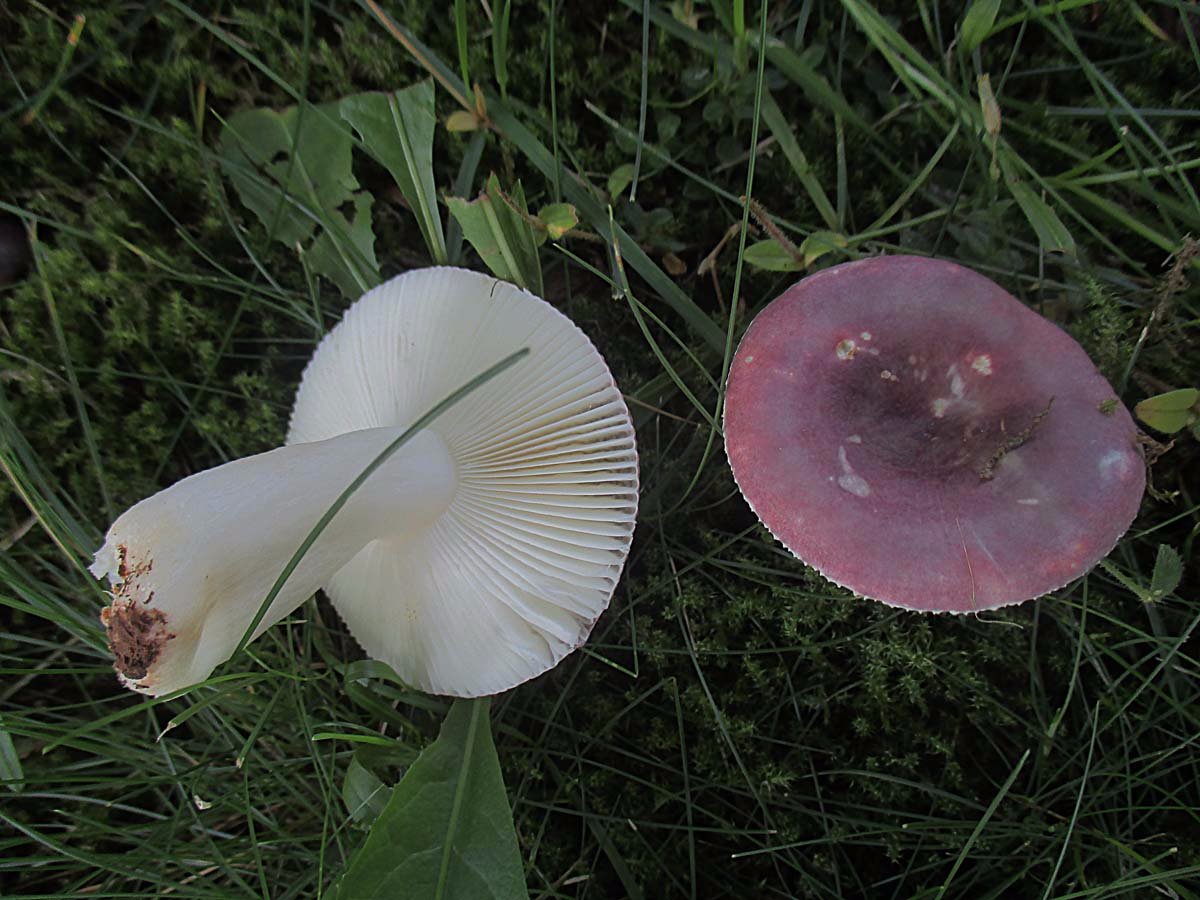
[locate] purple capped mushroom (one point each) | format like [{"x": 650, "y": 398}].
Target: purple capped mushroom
[{"x": 917, "y": 435}]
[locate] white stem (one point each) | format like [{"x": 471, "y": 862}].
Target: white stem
[{"x": 191, "y": 565}]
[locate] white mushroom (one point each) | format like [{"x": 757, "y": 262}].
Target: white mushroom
[{"x": 475, "y": 558}]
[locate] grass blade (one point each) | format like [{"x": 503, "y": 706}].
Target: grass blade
[{"x": 422, "y": 422}]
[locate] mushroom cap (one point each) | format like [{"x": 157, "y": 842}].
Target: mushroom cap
[
  {"x": 515, "y": 571},
  {"x": 917, "y": 435}
]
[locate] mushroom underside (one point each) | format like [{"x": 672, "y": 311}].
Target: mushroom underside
[{"x": 474, "y": 557}]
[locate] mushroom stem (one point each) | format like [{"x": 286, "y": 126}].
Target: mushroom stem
[{"x": 190, "y": 566}]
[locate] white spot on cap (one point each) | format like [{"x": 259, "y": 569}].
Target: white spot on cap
[
  {"x": 866, "y": 335},
  {"x": 957, "y": 385},
  {"x": 1114, "y": 463},
  {"x": 846, "y": 349},
  {"x": 888, "y": 375},
  {"x": 854, "y": 439},
  {"x": 982, "y": 364},
  {"x": 854, "y": 484},
  {"x": 939, "y": 407},
  {"x": 1029, "y": 501},
  {"x": 750, "y": 358},
  {"x": 850, "y": 481}
]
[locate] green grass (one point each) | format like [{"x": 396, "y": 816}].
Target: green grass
[{"x": 736, "y": 727}]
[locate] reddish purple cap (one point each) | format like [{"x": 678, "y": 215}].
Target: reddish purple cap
[{"x": 914, "y": 433}]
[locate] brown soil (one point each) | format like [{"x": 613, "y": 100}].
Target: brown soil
[{"x": 136, "y": 637}]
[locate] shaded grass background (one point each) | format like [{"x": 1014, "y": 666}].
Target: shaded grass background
[{"x": 736, "y": 727}]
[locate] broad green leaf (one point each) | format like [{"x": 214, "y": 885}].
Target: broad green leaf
[
  {"x": 819, "y": 243},
  {"x": 1168, "y": 572},
  {"x": 498, "y": 226},
  {"x": 992, "y": 120},
  {"x": 345, "y": 251},
  {"x": 773, "y": 257},
  {"x": 363, "y": 793},
  {"x": 1169, "y": 412},
  {"x": 1052, "y": 233},
  {"x": 559, "y": 218},
  {"x": 308, "y": 157},
  {"x": 10, "y": 762},
  {"x": 621, "y": 178},
  {"x": 293, "y": 171},
  {"x": 977, "y": 23},
  {"x": 988, "y": 106},
  {"x": 447, "y": 829},
  {"x": 782, "y": 131},
  {"x": 397, "y": 130}
]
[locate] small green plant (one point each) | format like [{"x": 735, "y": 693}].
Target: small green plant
[
  {"x": 446, "y": 828},
  {"x": 1167, "y": 574},
  {"x": 293, "y": 169},
  {"x": 498, "y": 225}
]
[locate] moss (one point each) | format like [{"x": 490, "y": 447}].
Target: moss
[{"x": 1105, "y": 330}]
